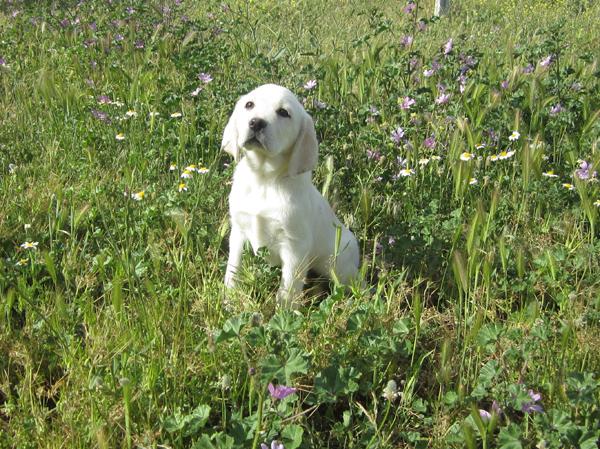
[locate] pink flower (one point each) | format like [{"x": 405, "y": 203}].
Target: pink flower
[
  {"x": 407, "y": 102},
  {"x": 280, "y": 391},
  {"x": 442, "y": 99},
  {"x": 310, "y": 84},
  {"x": 448, "y": 47}
]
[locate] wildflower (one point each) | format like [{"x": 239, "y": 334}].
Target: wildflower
[
  {"x": 139, "y": 44},
  {"x": 529, "y": 407},
  {"x": 480, "y": 146},
  {"x": 104, "y": 99},
  {"x": 202, "y": 170},
  {"x": 429, "y": 142},
  {"x": 182, "y": 187},
  {"x": 176, "y": 114},
  {"x": 138, "y": 196},
  {"x": 584, "y": 171},
  {"x": 505, "y": 154},
  {"x": 504, "y": 84},
  {"x": 436, "y": 158},
  {"x": 280, "y": 391},
  {"x": 12, "y": 168},
  {"x": 275, "y": 444},
  {"x": 319, "y": 104},
  {"x": 196, "y": 91},
  {"x": 373, "y": 110},
  {"x": 514, "y": 136},
  {"x": 191, "y": 168},
  {"x": 119, "y": 37},
  {"x": 576, "y": 86},
  {"x": 186, "y": 174},
  {"x": 494, "y": 157},
  {"x": 406, "y": 103},
  {"x": 556, "y": 109},
  {"x": 22, "y": 262},
  {"x": 496, "y": 408},
  {"x": 423, "y": 162},
  {"x": 546, "y": 61},
  {"x": 568, "y": 186},
  {"x": 205, "y": 77},
  {"x": 466, "y": 156},
  {"x": 373, "y": 154},
  {"x": 421, "y": 25},
  {"x": 406, "y": 41},
  {"x": 485, "y": 415},
  {"x": 130, "y": 113},
  {"x": 397, "y": 135},
  {"x": 428, "y": 72},
  {"x": 27, "y": 226},
  {"x": 153, "y": 114},
  {"x": 390, "y": 392},
  {"x": 409, "y": 9},
  {"x": 597, "y": 203},
  {"x": 120, "y": 136},
  {"x": 172, "y": 167},
  {"x": 406, "y": 172},
  {"x": 550, "y": 174},
  {"x": 473, "y": 181},
  {"x": 2, "y": 61},
  {"x": 401, "y": 161},
  {"x": 448, "y": 47},
  {"x": 528, "y": 68},
  {"x": 310, "y": 84},
  {"x": 130, "y": 10},
  {"x": 442, "y": 99},
  {"x": 29, "y": 245}
]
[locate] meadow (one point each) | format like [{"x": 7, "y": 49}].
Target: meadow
[{"x": 462, "y": 151}]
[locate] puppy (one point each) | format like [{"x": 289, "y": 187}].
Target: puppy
[{"x": 273, "y": 202}]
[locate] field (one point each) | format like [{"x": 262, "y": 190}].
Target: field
[{"x": 462, "y": 151}]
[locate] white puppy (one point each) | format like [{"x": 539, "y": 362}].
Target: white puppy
[{"x": 273, "y": 202}]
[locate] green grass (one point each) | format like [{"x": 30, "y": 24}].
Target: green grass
[{"x": 114, "y": 330}]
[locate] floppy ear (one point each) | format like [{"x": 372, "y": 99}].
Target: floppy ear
[
  {"x": 230, "y": 137},
  {"x": 306, "y": 149}
]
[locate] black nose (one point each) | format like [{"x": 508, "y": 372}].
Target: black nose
[{"x": 256, "y": 124}]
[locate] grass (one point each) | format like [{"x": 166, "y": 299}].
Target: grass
[{"x": 478, "y": 322}]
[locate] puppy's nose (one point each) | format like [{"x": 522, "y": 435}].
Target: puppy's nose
[{"x": 256, "y": 124}]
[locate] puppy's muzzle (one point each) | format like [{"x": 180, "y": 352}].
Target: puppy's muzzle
[{"x": 257, "y": 124}]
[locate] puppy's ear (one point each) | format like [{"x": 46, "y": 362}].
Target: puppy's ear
[
  {"x": 230, "y": 137},
  {"x": 305, "y": 152}
]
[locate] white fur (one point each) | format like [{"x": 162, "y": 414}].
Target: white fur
[{"x": 273, "y": 202}]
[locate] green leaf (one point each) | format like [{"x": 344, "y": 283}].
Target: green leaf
[
  {"x": 285, "y": 322},
  {"x": 508, "y": 438},
  {"x": 334, "y": 381},
  {"x": 189, "y": 424},
  {"x": 232, "y": 328},
  {"x": 295, "y": 364},
  {"x": 292, "y": 436}
]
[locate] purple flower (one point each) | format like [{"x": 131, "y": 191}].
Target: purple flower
[
  {"x": 119, "y": 37},
  {"x": 407, "y": 102},
  {"x": 485, "y": 415},
  {"x": 409, "y": 9},
  {"x": 92, "y": 26},
  {"x": 130, "y": 10},
  {"x": 103, "y": 99},
  {"x": 373, "y": 110},
  {"x": 310, "y": 84},
  {"x": 546, "y": 61},
  {"x": 496, "y": 408},
  {"x": 504, "y": 84},
  {"x": 448, "y": 47},
  {"x": 100, "y": 115},
  {"x": 275, "y": 444},
  {"x": 397, "y": 135},
  {"x": 442, "y": 99},
  {"x": 64, "y": 23},
  {"x": 585, "y": 171},
  {"x": 556, "y": 109},
  {"x": 406, "y": 41},
  {"x": 373, "y": 154},
  {"x": 205, "y": 77},
  {"x": 139, "y": 44},
  {"x": 531, "y": 406},
  {"x": 528, "y": 68},
  {"x": 429, "y": 142},
  {"x": 89, "y": 43},
  {"x": 280, "y": 391},
  {"x": 2, "y": 61},
  {"x": 421, "y": 25}
]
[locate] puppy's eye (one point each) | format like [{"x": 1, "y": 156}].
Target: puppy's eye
[
  {"x": 250, "y": 105},
  {"x": 283, "y": 113}
]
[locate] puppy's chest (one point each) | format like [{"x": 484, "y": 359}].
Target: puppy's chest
[{"x": 260, "y": 213}]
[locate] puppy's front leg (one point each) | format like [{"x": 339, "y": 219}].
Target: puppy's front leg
[
  {"x": 236, "y": 245},
  {"x": 294, "y": 266}
]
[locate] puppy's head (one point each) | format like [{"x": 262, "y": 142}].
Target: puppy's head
[{"x": 271, "y": 120}]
